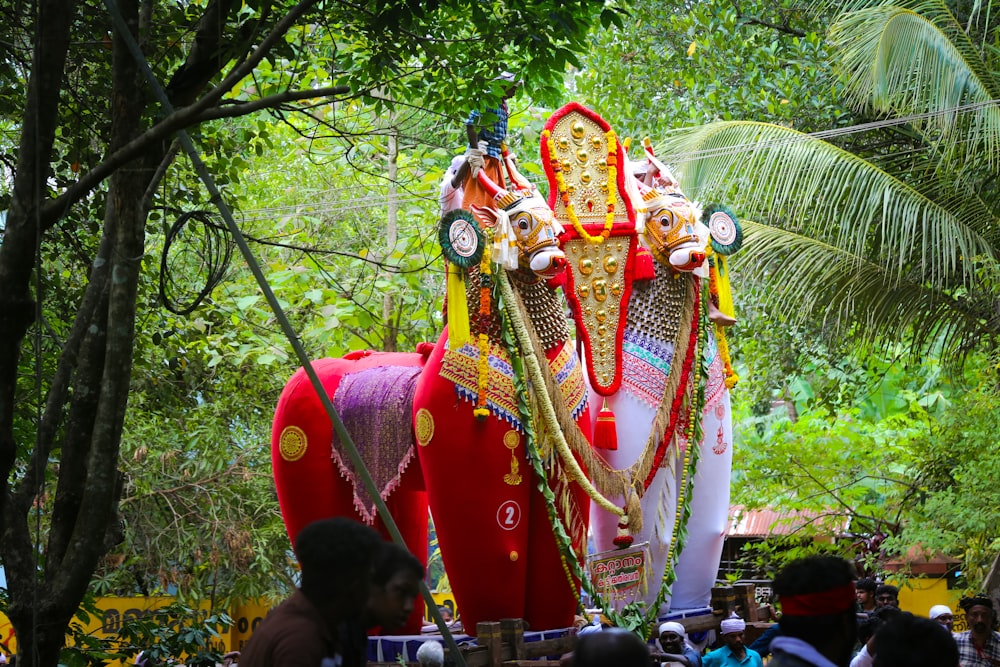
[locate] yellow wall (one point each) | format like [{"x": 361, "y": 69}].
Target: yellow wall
[
  {"x": 116, "y": 611},
  {"x": 442, "y": 600},
  {"x": 919, "y": 594}
]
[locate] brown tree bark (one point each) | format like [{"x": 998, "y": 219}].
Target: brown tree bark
[{"x": 84, "y": 408}]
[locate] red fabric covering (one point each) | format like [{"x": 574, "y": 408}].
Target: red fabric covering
[
  {"x": 496, "y": 540},
  {"x": 822, "y": 603},
  {"x": 310, "y": 487}
]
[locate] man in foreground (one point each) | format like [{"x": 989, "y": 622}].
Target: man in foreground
[
  {"x": 395, "y": 585},
  {"x": 819, "y": 617},
  {"x": 336, "y": 556},
  {"x": 979, "y": 646}
]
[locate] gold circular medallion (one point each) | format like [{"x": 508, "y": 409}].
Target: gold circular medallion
[
  {"x": 513, "y": 556},
  {"x": 292, "y": 443},
  {"x": 424, "y": 427},
  {"x": 511, "y": 438}
]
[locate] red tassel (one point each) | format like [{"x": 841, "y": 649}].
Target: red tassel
[
  {"x": 605, "y": 434},
  {"x": 644, "y": 269}
]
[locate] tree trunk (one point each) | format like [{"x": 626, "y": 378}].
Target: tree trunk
[{"x": 96, "y": 361}]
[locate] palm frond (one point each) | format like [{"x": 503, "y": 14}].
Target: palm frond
[
  {"x": 851, "y": 296},
  {"x": 813, "y": 188},
  {"x": 913, "y": 59}
]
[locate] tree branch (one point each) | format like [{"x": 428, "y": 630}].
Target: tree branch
[
  {"x": 178, "y": 120},
  {"x": 236, "y": 108},
  {"x": 784, "y": 27}
]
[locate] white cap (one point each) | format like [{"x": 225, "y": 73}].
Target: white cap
[
  {"x": 673, "y": 626},
  {"x": 939, "y": 610},
  {"x": 734, "y": 624}
]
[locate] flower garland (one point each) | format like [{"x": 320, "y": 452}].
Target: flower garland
[
  {"x": 481, "y": 411},
  {"x": 568, "y": 556},
  {"x": 573, "y": 470},
  {"x": 612, "y": 161},
  {"x": 678, "y": 536},
  {"x": 571, "y": 563},
  {"x": 528, "y": 363},
  {"x": 720, "y": 332}
]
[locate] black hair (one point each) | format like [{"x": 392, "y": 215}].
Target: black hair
[
  {"x": 614, "y": 646},
  {"x": 867, "y": 584},
  {"x": 975, "y": 600},
  {"x": 887, "y": 588},
  {"x": 886, "y": 614},
  {"x": 335, "y": 551},
  {"x": 909, "y": 641},
  {"x": 867, "y": 627},
  {"x": 393, "y": 558},
  {"x": 816, "y": 574}
]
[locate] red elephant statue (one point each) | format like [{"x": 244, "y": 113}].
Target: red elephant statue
[{"x": 446, "y": 427}]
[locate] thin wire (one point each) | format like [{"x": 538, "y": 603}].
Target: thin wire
[
  {"x": 748, "y": 147},
  {"x": 428, "y": 194}
]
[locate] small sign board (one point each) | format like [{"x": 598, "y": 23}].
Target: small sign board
[{"x": 620, "y": 575}]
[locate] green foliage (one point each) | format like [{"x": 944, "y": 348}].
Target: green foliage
[
  {"x": 671, "y": 66},
  {"x": 170, "y": 635},
  {"x": 186, "y": 400},
  {"x": 879, "y": 233},
  {"x": 958, "y": 468},
  {"x": 176, "y": 633}
]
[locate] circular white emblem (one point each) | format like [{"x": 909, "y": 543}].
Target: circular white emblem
[
  {"x": 463, "y": 237},
  {"x": 509, "y": 515},
  {"x": 722, "y": 227}
]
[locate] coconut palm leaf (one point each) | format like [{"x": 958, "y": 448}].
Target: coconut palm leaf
[
  {"x": 916, "y": 61},
  {"x": 852, "y": 296},
  {"x": 810, "y": 187}
]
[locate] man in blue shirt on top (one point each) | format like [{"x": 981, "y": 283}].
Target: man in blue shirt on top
[{"x": 734, "y": 653}]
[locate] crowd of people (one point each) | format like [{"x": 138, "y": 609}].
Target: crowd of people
[
  {"x": 353, "y": 581},
  {"x": 827, "y": 620},
  {"x": 881, "y": 622}
]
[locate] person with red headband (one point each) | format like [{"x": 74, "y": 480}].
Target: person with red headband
[{"x": 818, "y": 613}]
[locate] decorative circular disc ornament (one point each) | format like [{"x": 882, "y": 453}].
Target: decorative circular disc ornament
[
  {"x": 292, "y": 443},
  {"x": 460, "y": 238},
  {"x": 424, "y": 427},
  {"x": 727, "y": 236}
]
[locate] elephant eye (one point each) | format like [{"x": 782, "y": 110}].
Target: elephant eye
[{"x": 523, "y": 224}]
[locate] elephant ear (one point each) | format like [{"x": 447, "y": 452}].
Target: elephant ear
[
  {"x": 461, "y": 239},
  {"x": 727, "y": 235}
]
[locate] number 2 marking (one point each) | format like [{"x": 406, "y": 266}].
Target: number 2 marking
[{"x": 509, "y": 515}]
